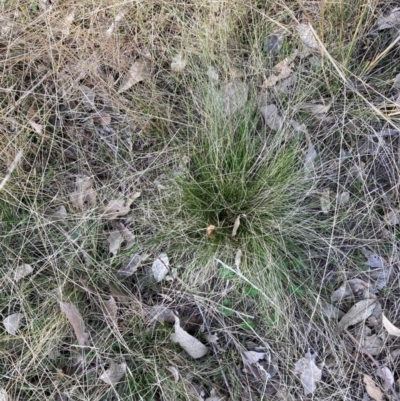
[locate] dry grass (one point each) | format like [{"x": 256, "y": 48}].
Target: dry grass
[{"x": 154, "y": 138}]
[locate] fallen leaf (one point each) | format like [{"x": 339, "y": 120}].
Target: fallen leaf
[
  {"x": 160, "y": 267},
  {"x": 372, "y": 389},
  {"x": 190, "y": 344},
  {"x": 238, "y": 258},
  {"x": 38, "y": 128},
  {"x": 66, "y": 24},
  {"x": 159, "y": 313},
  {"x": 287, "y": 85},
  {"x": 390, "y": 21},
  {"x": 75, "y": 318},
  {"x": 236, "y": 226},
  {"x": 309, "y": 372},
  {"x": 273, "y": 44},
  {"x": 12, "y": 323},
  {"x": 44, "y": 5},
  {"x": 85, "y": 195},
  {"x": 284, "y": 69},
  {"x": 3, "y": 395},
  {"x": 235, "y": 96},
  {"x": 373, "y": 260},
  {"x": 61, "y": 213},
  {"x": 210, "y": 231},
  {"x": 309, "y": 159},
  {"x": 139, "y": 71},
  {"x": 357, "y": 313},
  {"x": 118, "y": 18},
  {"x": 343, "y": 198},
  {"x": 211, "y": 338},
  {"x": 214, "y": 396},
  {"x": 115, "y": 239},
  {"x": 395, "y": 353},
  {"x": 114, "y": 373},
  {"x": 392, "y": 218},
  {"x": 88, "y": 97},
  {"x": 252, "y": 357},
  {"x": 175, "y": 373},
  {"x": 372, "y": 344},
  {"x": 272, "y": 117},
  {"x": 386, "y": 375},
  {"x": 390, "y": 327},
  {"x": 331, "y": 311},
  {"x": 315, "y": 109},
  {"x": 325, "y": 200},
  {"x": 306, "y": 35},
  {"x": 111, "y": 308},
  {"x": 128, "y": 236},
  {"x": 119, "y": 207},
  {"x": 102, "y": 118},
  {"x": 178, "y": 63},
  {"x": 130, "y": 266},
  {"x": 21, "y": 271}
]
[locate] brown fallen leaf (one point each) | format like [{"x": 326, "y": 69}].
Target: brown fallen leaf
[
  {"x": 372, "y": 344},
  {"x": 21, "y": 271},
  {"x": 115, "y": 239},
  {"x": 309, "y": 372},
  {"x": 84, "y": 196},
  {"x": 238, "y": 258},
  {"x": 119, "y": 207},
  {"x": 118, "y": 18},
  {"x": 284, "y": 69},
  {"x": 160, "y": 267},
  {"x": 306, "y": 35},
  {"x": 75, "y": 318},
  {"x": 389, "y": 21},
  {"x": 390, "y": 327},
  {"x": 271, "y": 117},
  {"x": 210, "y": 231},
  {"x": 357, "y": 313},
  {"x": 139, "y": 71},
  {"x": 130, "y": 266},
  {"x": 235, "y": 96},
  {"x": 114, "y": 373},
  {"x": 175, "y": 373},
  {"x": 236, "y": 226},
  {"x": 372, "y": 389},
  {"x": 190, "y": 344},
  {"x": 12, "y": 323},
  {"x": 387, "y": 376},
  {"x": 60, "y": 214},
  {"x": 111, "y": 308}
]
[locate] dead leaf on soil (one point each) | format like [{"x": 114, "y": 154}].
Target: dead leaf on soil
[
  {"x": 390, "y": 327},
  {"x": 114, "y": 373},
  {"x": 159, "y": 313},
  {"x": 309, "y": 159},
  {"x": 128, "y": 236},
  {"x": 210, "y": 231},
  {"x": 372, "y": 344},
  {"x": 273, "y": 44},
  {"x": 386, "y": 375},
  {"x": 373, "y": 260},
  {"x": 102, "y": 118},
  {"x": 45, "y": 5},
  {"x": 119, "y": 207},
  {"x": 315, "y": 109},
  {"x": 236, "y": 226},
  {"x": 235, "y": 96},
  {"x": 352, "y": 288},
  {"x": 306, "y": 35},
  {"x": 325, "y": 200},
  {"x": 390, "y": 21},
  {"x": 357, "y": 313},
  {"x": 190, "y": 344},
  {"x": 211, "y": 338},
  {"x": 118, "y": 18},
  {"x": 309, "y": 372},
  {"x": 111, "y": 308},
  {"x": 160, "y": 267},
  {"x": 130, "y": 266},
  {"x": 84, "y": 196},
  {"x": 331, "y": 311},
  {"x": 12, "y": 323},
  {"x": 271, "y": 117},
  {"x": 115, "y": 239},
  {"x": 3, "y": 395},
  {"x": 284, "y": 69},
  {"x": 392, "y": 218},
  {"x": 238, "y": 258},
  {"x": 372, "y": 389},
  {"x": 175, "y": 373},
  {"x": 140, "y": 71},
  {"x": 60, "y": 214},
  {"x": 38, "y": 128},
  {"x": 21, "y": 271},
  {"x": 252, "y": 357},
  {"x": 178, "y": 63},
  {"x": 75, "y": 318}
]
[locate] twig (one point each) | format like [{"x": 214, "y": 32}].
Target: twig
[{"x": 376, "y": 363}]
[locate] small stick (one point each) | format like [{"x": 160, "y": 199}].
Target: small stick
[{"x": 375, "y": 362}]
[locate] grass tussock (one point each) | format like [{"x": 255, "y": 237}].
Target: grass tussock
[{"x": 101, "y": 101}]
